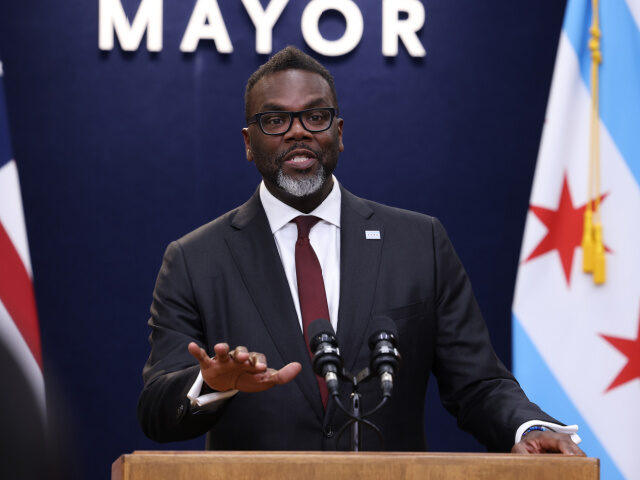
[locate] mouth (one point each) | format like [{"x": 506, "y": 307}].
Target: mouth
[{"x": 300, "y": 159}]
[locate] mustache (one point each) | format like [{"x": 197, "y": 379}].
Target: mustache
[{"x": 298, "y": 146}]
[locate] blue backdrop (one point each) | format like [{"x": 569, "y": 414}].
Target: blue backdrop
[{"x": 121, "y": 152}]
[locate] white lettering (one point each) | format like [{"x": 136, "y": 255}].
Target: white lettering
[
  {"x": 264, "y": 20},
  {"x": 393, "y": 28},
  {"x": 112, "y": 18},
  {"x": 332, "y": 48},
  {"x": 206, "y": 23}
]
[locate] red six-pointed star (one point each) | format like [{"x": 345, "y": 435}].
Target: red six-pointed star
[
  {"x": 564, "y": 229},
  {"x": 630, "y": 349}
]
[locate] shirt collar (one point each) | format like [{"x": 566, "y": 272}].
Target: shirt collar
[{"x": 279, "y": 213}]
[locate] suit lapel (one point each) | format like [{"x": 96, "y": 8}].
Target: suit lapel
[
  {"x": 255, "y": 253},
  {"x": 359, "y": 262}
]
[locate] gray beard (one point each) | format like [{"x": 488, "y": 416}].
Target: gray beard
[{"x": 304, "y": 187}]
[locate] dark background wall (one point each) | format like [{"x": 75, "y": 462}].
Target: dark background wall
[{"x": 121, "y": 152}]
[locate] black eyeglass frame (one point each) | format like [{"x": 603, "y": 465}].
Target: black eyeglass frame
[{"x": 292, "y": 115}]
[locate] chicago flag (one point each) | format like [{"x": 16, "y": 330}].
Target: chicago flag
[
  {"x": 19, "y": 331},
  {"x": 577, "y": 344}
]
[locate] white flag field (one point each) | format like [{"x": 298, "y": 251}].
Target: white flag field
[{"x": 577, "y": 344}]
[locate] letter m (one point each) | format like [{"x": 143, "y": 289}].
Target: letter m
[{"x": 113, "y": 19}]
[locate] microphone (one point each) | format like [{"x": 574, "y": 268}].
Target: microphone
[
  {"x": 385, "y": 358},
  {"x": 326, "y": 360}
]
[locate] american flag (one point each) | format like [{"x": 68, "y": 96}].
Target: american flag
[{"x": 19, "y": 329}]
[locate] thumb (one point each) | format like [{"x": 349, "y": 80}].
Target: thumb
[{"x": 287, "y": 373}]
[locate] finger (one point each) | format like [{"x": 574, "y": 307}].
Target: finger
[
  {"x": 260, "y": 381},
  {"x": 199, "y": 354},
  {"x": 519, "y": 449},
  {"x": 286, "y": 373},
  {"x": 257, "y": 359},
  {"x": 547, "y": 443},
  {"x": 569, "y": 447},
  {"x": 524, "y": 447},
  {"x": 579, "y": 451},
  {"x": 221, "y": 351},
  {"x": 239, "y": 354}
]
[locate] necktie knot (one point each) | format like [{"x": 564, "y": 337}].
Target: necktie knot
[{"x": 304, "y": 224}]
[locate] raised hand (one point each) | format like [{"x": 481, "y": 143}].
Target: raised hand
[{"x": 240, "y": 369}]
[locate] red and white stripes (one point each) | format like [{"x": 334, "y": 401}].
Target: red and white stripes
[{"x": 19, "y": 328}]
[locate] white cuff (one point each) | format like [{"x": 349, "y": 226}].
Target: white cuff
[
  {"x": 208, "y": 399},
  {"x": 569, "y": 429}
]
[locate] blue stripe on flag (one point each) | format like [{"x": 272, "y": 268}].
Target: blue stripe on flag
[
  {"x": 542, "y": 387},
  {"x": 619, "y": 71},
  {"x": 5, "y": 144}
]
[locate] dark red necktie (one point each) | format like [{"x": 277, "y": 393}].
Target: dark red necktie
[{"x": 311, "y": 293}]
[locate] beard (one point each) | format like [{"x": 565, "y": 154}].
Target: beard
[
  {"x": 272, "y": 170},
  {"x": 301, "y": 187}
]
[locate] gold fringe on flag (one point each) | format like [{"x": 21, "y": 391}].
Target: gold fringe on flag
[{"x": 593, "y": 254}]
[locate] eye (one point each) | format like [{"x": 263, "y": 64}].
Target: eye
[
  {"x": 317, "y": 116},
  {"x": 275, "y": 121},
  {"x": 272, "y": 119}
]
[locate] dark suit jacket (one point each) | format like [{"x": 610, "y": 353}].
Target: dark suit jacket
[{"x": 224, "y": 282}]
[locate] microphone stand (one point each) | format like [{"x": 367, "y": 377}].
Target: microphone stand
[{"x": 356, "y": 417}]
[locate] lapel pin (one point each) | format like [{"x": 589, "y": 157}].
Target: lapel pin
[{"x": 372, "y": 234}]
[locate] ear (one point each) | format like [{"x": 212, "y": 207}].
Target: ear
[
  {"x": 340, "y": 123},
  {"x": 247, "y": 143}
]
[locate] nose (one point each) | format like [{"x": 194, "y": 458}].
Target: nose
[{"x": 297, "y": 131}]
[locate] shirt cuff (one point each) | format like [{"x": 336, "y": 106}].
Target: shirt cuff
[
  {"x": 211, "y": 400},
  {"x": 554, "y": 427}
]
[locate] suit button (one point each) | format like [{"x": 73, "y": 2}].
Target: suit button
[{"x": 328, "y": 431}]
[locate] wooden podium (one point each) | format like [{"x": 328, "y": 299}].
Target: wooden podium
[{"x": 158, "y": 465}]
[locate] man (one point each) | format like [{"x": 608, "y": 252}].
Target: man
[{"x": 238, "y": 281}]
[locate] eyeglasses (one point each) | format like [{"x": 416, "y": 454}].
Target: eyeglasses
[{"x": 278, "y": 123}]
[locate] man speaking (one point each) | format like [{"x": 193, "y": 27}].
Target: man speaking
[{"x": 301, "y": 248}]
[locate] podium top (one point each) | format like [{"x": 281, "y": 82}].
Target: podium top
[{"x": 214, "y": 465}]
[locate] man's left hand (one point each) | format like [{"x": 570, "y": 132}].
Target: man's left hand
[{"x": 547, "y": 442}]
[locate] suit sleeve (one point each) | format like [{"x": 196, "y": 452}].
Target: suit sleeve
[
  {"x": 164, "y": 412},
  {"x": 474, "y": 384}
]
